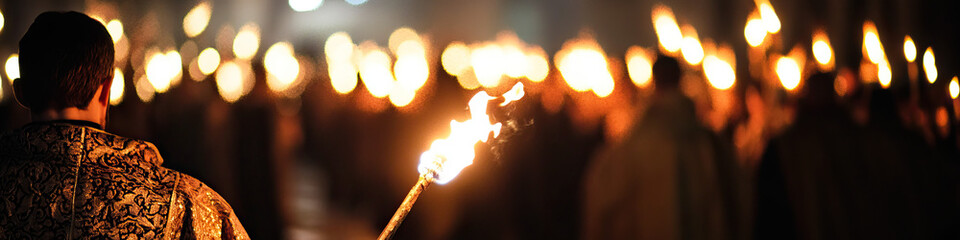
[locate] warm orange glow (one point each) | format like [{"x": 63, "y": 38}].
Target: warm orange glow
[
  {"x": 208, "y": 61},
  {"x": 668, "y": 32},
  {"x": 954, "y": 88},
  {"x": 1, "y": 26},
  {"x": 871, "y": 43},
  {"x": 116, "y": 87},
  {"x": 942, "y": 118},
  {"x": 690, "y": 48},
  {"x": 447, "y": 157},
  {"x": 488, "y": 65},
  {"x": 339, "y": 51},
  {"x": 163, "y": 69},
  {"x": 115, "y": 28},
  {"x": 583, "y": 66},
  {"x": 197, "y": 19},
  {"x": 755, "y": 32},
  {"x": 770, "y": 20},
  {"x": 375, "y": 72},
  {"x": 515, "y": 93},
  {"x": 411, "y": 68},
  {"x": 234, "y": 80},
  {"x": 909, "y": 49},
  {"x": 400, "y": 36},
  {"x": 884, "y": 75},
  {"x": 247, "y": 42},
  {"x": 537, "y": 65},
  {"x": 143, "y": 87},
  {"x": 719, "y": 73},
  {"x": 639, "y": 66},
  {"x": 281, "y": 65},
  {"x": 401, "y": 96},
  {"x": 789, "y": 73},
  {"x": 455, "y": 58},
  {"x": 515, "y": 61},
  {"x": 822, "y": 51},
  {"x": 930, "y": 65},
  {"x": 12, "y": 67}
]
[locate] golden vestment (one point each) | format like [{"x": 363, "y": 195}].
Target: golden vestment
[{"x": 64, "y": 180}]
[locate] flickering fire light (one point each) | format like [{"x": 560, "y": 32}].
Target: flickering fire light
[{"x": 447, "y": 157}]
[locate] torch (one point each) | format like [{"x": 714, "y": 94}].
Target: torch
[{"x": 447, "y": 157}]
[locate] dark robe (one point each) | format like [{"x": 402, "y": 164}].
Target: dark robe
[{"x": 71, "y": 180}]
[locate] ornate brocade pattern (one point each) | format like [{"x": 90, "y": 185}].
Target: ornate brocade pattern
[{"x": 63, "y": 181}]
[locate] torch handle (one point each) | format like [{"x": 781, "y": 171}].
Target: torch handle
[{"x": 404, "y": 208}]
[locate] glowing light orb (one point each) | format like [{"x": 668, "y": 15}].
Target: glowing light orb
[
  {"x": 930, "y": 65},
  {"x": 455, "y": 58},
  {"x": 247, "y": 42},
  {"x": 909, "y": 49},
  {"x": 116, "y": 87},
  {"x": 115, "y": 28},
  {"x": 668, "y": 32},
  {"x": 12, "y": 67},
  {"x": 208, "y": 61},
  {"x": 197, "y": 19},
  {"x": 719, "y": 73},
  {"x": 639, "y": 66},
  {"x": 789, "y": 73},
  {"x": 754, "y": 32},
  {"x": 281, "y": 65},
  {"x": 304, "y": 5}
]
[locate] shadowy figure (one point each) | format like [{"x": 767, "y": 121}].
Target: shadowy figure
[
  {"x": 669, "y": 179},
  {"x": 63, "y": 177}
]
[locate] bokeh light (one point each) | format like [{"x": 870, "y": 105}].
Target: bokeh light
[
  {"x": 537, "y": 65},
  {"x": 163, "y": 69},
  {"x": 234, "y": 80},
  {"x": 770, "y": 20},
  {"x": 116, "y": 87},
  {"x": 789, "y": 73},
  {"x": 639, "y": 66},
  {"x": 400, "y": 36},
  {"x": 197, "y": 19},
  {"x": 884, "y": 75},
  {"x": 455, "y": 59},
  {"x": 668, "y": 32},
  {"x": 115, "y": 28},
  {"x": 930, "y": 65},
  {"x": 871, "y": 43},
  {"x": 909, "y": 49},
  {"x": 488, "y": 64},
  {"x": 12, "y": 67},
  {"x": 583, "y": 66},
  {"x": 375, "y": 72},
  {"x": 281, "y": 65},
  {"x": 208, "y": 61},
  {"x": 411, "y": 69},
  {"x": 822, "y": 52},
  {"x": 754, "y": 32},
  {"x": 339, "y": 51},
  {"x": 304, "y": 5},
  {"x": 719, "y": 73},
  {"x": 247, "y": 42},
  {"x": 954, "y": 88}
]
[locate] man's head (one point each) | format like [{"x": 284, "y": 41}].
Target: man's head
[
  {"x": 666, "y": 73},
  {"x": 66, "y": 62}
]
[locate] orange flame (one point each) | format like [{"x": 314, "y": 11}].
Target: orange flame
[{"x": 448, "y": 156}]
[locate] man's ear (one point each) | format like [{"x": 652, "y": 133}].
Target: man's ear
[
  {"x": 105, "y": 92},
  {"x": 18, "y": 92}
]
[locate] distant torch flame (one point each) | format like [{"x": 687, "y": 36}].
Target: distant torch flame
[
  {"x": 668, "y": 32},
  {"x": 448, "y": 156},
  {"x": 930, "y": 65},
  {"x": 954, "y": 88}
]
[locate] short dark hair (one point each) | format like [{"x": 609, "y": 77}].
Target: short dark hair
[
  {"x": 65, "y": 58},
  {"x": 666, "y": 73}
]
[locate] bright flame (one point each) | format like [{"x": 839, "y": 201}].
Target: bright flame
[
  {"x": 871, "y": 43},
  {"x": 304, "y": 5},
  {"x": 208, "y": 61},
  {"x": 247, "y": 42},
  {"x": 375, "y": 73},
  {"x": 909, "y": 49},
  {"x": 668, "y": 32},
  {"x": 447, "y": 157},
  {"x": 884, "y": 76},
  {"x": 488, "y": 64},
  {"x": 115, "y": 28},
  {"x": 639, "y": 66},
  {"x": 12, "y": 67},
  {"x": 789, "y": 73},
  {"x": 281, "y": 65},
  {"x": 822, "y": 51},
  {"x": 515, "y": 93},
  {"x": 929, "y": 65},
  {"x": 754, "y": 32},
  {"x": 197, "y": 19},
  {"x": 116, "y": 87},
  {"x": 339, "y": 50},
  {"x": 584, "y": 67},
  {"x": 400, "y": 36},
  {"x": 954, "y": 88},
  {"x": 719, "y": 73},
  {"x": 770, "y": 20},
  {"x": 692, "y": 50},
  {"x": 456, "y": 58}
]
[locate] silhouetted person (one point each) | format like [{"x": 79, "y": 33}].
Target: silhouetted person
[
  {"x": 63, "y": 177},
  {"x": 666, "y": 180},
  {"x": 808, "y": 178}
]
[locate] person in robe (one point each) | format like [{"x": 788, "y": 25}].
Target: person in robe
[{"x": 63, "y": 177}]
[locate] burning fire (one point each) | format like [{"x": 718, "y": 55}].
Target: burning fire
[
  {"x": 770, "y": 20},
  {"x": 909, "y": 49},
  {"x": 789, "y": 73},
  {"x": 872, "y": 47},
  {"x": 448, "y": 156},
  {"x": 822, "y": 51},
  {"x": 668, "y": 32},
  {"x": 930, "y": 65},
  {"x": 954, "y": 88}
]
